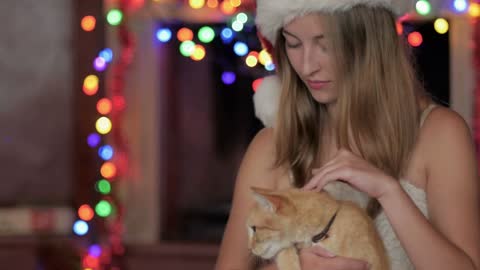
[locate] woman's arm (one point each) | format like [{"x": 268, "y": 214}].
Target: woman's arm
[
  {"x": 255, "y": 170},
  {"x": 317, "y": 258},
  {"x": 452, "y": 239}
]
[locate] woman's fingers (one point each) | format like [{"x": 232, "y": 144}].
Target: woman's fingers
[
  {"x": 316, "y": 258},
  {"x": 319, "y": 251},
  {"x": 319, "y": 180}
]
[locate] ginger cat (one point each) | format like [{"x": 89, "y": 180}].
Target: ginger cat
[{"x": 283, "y": 221}]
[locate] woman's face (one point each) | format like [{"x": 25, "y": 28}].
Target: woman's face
[{"x": 309, "y": 51}]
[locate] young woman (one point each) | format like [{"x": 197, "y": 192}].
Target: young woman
[{"x": 351, "y": 109}]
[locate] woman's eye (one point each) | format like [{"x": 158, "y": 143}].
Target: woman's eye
[{"x": 292, "y": 46}]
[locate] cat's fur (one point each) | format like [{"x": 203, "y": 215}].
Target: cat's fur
[{"x": 283, "y": 221}]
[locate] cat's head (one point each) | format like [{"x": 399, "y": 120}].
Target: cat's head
[{"x": 270, "y": 223}]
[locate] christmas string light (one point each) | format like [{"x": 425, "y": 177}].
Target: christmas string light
[{"x": 102, "y": 221}]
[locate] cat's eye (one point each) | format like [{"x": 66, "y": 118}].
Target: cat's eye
[{"x": 254, "y": 229}]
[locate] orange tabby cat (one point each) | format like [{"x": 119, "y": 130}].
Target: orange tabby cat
[{"x": 283, "y": 221}]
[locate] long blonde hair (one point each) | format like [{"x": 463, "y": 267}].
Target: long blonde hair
[{"x": 378, "y": 93}]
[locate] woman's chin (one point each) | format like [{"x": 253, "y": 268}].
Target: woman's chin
[{"x": 322, "y": 98}]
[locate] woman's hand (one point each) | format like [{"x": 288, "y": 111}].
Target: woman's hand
[
  {"x": 356, "y": 171},
  {"x": 316, "y": 257}
]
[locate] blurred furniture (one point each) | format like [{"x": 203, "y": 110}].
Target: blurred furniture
[{"x": 171, "y": 256}]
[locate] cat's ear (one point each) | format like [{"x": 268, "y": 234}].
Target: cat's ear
[{"x": 271, "y": 200}]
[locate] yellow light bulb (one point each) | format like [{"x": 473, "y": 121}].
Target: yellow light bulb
[
  {"x": 441, "y": 26},
  {"x": 103, "y": 125}
]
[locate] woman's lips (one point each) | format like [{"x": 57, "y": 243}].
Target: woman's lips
[{"x": 317, "y": 85}]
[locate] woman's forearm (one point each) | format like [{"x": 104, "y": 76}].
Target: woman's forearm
[
  {"x": 426, "y": 247},
  {"x": 270, "y": 266}
]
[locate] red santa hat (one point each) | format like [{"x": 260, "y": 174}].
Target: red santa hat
[{"x": 274, "y": 14}]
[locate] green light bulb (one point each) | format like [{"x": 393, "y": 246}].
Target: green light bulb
[
  {"x": 104, "y": 187},
  {"x": 423, "y": 7},
  {"x": 114, "y": 17},
  {"x": 103, "y": 208},
  {"x": 206, "y": 34},
  {"x": 187, "y": 47}
]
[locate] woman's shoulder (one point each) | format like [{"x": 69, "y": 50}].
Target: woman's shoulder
[
  {"x": 264, "y": 138},
  {"x": 442, "y": 124},
  {"x": 446, "y": 139},
  {"x": 262, "y": 145},
  {"x": 259, "y": 160}
]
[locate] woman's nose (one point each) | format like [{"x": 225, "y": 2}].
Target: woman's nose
[{"x": 310, "y": 62}]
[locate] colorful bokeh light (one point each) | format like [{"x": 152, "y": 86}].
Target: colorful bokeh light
[
  {"x": 242, "y": 17},
  {"x": 187, "y": 48},
  {"x": 93, "y": 140},
  {"x": 460, "y": 5},
  {"x": 196, "y": 4},
  {"x": 474, "y": 10},
  {"x": 105, "y": 152},
  {"x": 212, "y": 3},
  {"x": 103, "y": 125},
  {"x": 103, "y": 208},
  {"x": 164, "y": 35},
  {"x": 264, "y": 57},
  {"x": 88, "y": 23},
  {"x": 228, "y": 77},
  {"x": 226, "y": 35},
  {"x": 227, "y": 8},
  {"x": 423, "y": 7},
  {"x": 104, "y": 187},
  {"x": 85, "y": 212},
  {"x": 235, "y": 3},
  {"x": 251, "y": 61},
  {"x": 95, "y": 251},
  {"x": 99, "y": 64},
  {"x": 198, "y": 53},
  {"x": 108, "y": 170},
  {"x": 114, "y": 17},
  {"x": 90, "y": 85},
  {"x": 256, "y": 83},
  {"x": 80, "y": 227},
  {"x": 237, "y": 26},
  {"x": 206, "y": 34},
  {"x": 240, "y": 48},
  {"x": 270, "y": 66},
  {"x": 104, "y": 106},
  {"x": 106, "y": 54},
  {"x": 441, "y": 26},
  {"x": 415, "y": 39},
  {"x": 184, "y": 34}
]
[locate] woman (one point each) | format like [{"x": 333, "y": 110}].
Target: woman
[{"x": 350, "y": 109}]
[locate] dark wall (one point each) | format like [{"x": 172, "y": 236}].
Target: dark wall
[{"x": 35, "y": 102}]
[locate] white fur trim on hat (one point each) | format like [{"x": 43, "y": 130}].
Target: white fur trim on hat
[
  {"x": 266, "y": 99},
  {"x": 274, "y": 14}
]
